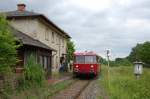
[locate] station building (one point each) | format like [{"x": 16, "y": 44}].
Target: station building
[{"x": 39, "y": 37}]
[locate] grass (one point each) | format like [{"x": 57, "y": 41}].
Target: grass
[
  {"x": 45, "y": 92},
  {"x": 122, "y": 83},
  {"x": 58, "y": 75},
  {"x": 53, "y": 89}
]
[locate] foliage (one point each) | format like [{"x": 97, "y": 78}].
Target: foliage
[
  {"x": 121, "y": 62},
  {"x": 140, "y": 52},
  {"x": 116, "y": 62},
  {"x": 7, "y": 46},
  {"x": 44, "y": 92},
  {"x": 8, "y": 57},
  {"x": 54, "y": 89},
  {"x": 123, "y": 85},
  {"x": 134, "y": 55},
  {"x": 103, "y": 61},
  {"x": 34, "y": 74},
  {"x": 70, "y": 49}
]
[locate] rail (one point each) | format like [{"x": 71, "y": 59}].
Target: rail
[{"x": 73, "y": 91}]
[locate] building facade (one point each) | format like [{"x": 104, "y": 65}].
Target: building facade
[{"x": 40, "y": 28}]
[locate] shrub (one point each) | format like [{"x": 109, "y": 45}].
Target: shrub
[
  {"x": 7, "y": 47},
  {"x": 34, "y": 74},
  {"x": 121, "y": 62},
  {"x": 8, "y": 58}
]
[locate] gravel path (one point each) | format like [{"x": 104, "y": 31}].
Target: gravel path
[
  {"x": 93, "y": 91},
  {"x": 83, "y": 89},
  {"x": 72, "y": 91},
  {"x": 89, "y": 92}
]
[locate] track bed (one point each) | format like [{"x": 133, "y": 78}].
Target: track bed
[{"x": 74, "y": 91}]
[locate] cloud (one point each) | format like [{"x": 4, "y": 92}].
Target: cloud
[{"x": 96, "y": 25}]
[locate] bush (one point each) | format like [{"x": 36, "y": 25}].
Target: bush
[
  {"x": 7, "y": 47},
  {"x": 8, "y": 57},
  {"x": 34, "y": 74},
  {"x": 121, "y": 62}
]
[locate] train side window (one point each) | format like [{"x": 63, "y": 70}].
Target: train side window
[{"x": 97, "y": 59}]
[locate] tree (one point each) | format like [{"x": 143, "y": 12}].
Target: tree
[
  {"x": 70, "y": 49},
  {"x": 103, "y": 61},
  {"x": 141, "y": 52},
  {"x": 122, "y": 62},
  {"x": 7, "y": 46},
  {"x": 134, "y": 55}
]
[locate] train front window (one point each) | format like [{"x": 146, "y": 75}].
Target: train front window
[
  {"x": 85, "y": 59},
  {"x": 79, "y": 59},
  {"x": 90, "y": 59}
]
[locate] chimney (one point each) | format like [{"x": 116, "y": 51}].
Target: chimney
[{"x": 21, "y": 7}]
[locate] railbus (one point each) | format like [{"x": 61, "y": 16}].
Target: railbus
[{"x": 86, "y": 63}]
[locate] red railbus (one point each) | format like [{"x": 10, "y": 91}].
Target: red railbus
[{"x": 86, "y": 63}]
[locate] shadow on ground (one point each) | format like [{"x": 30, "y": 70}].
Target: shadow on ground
[{"x": 86, "y": 77}]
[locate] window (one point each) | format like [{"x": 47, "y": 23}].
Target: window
[
  {"x": 46, "y": 34},
  {"x": 90, "y": 59},
  {"x": 63, "y": 43},
  {"x": 28, "y": 53},
  {"x": 57, "y": 66},
  {"x": 79, "y": 59},
  {"x": 45, "y": 62},
  {"x": 41, "y": 60},
  {"x": 53, "y": 37},
  {"x": 85, "y": 59},
  {"x": 57, "y": 39}
]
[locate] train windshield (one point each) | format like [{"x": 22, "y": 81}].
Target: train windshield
[
  {"x": 85, "y": 59},
  {"x": 80, "y": 59},
  {"x": 90, "y": 59}
]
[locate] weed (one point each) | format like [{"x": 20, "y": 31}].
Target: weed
[{"x": 123, "y": 84}]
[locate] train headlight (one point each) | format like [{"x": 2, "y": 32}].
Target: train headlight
[
  {"x": 77, "y": 66},
  {"x": 92, "y": 66}
]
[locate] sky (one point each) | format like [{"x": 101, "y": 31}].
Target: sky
[{"x": 96, "y": 25}]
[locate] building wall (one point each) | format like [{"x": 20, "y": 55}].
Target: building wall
[{"x": 40, "y": 30}]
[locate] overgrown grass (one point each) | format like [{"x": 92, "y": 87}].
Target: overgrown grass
[
  {"x": 58, "y": 75},
  {"x": 122, "y": 83},
  {"x": 33, "y": 85},
  {"x": 45, "y": 92},
  {"x": 53, "y": 89}
]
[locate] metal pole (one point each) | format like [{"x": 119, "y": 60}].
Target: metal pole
[
  {"x": 137, "y": 76},
  {"x": 108, "y": 71}
]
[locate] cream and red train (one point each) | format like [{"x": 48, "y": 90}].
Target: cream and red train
[{"x": 86, "y": 63}]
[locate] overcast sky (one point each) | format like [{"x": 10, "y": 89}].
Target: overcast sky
[{"x": 96, "y": 25}]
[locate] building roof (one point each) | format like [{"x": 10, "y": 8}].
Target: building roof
[
  {"x": 19, "y": 14},
  {"x": 27, "y": 40}
]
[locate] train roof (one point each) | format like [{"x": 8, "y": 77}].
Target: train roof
[{"x": 86, "y": 53}]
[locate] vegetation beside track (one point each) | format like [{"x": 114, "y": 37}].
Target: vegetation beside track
[
  {"x": 44, "y": 92},
  {"x": 122, "y": 83},
  {"x": 53, "y": 89}
]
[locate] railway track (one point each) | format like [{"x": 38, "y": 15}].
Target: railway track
[{"x": 73, "y": 91}]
